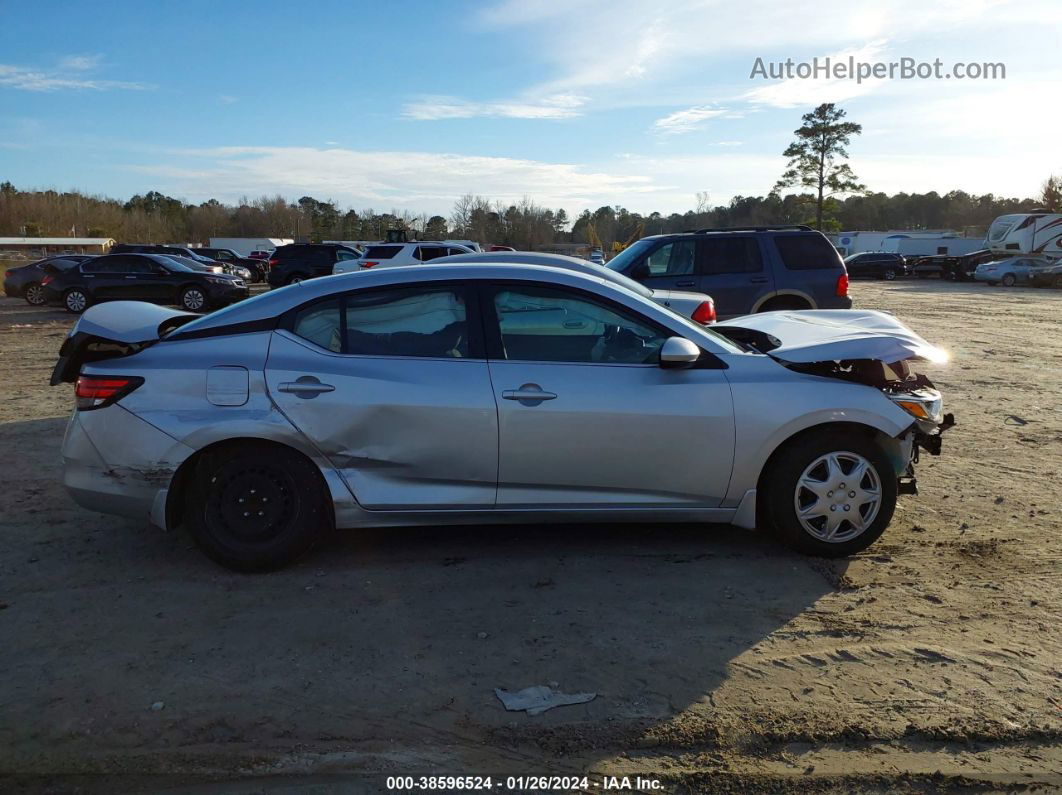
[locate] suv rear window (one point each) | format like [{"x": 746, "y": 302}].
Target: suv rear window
[
  {"x": 807, "y": 252},
  {"x": 381, "y": 252},
  {"x": 730, "y": 255}
]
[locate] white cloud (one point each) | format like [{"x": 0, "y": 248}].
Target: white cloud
[
  {"x": 227, "y": 99},
  {"x": 80, "y": 63},
  {"x": 66, "y": 76},
  {"x": 409, "y": 180},
  {"x": 688, "y": 120},
  {"x": 556, "y": 106},
  {"x": 796, "y": 92}
]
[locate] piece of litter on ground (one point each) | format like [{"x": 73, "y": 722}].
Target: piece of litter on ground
[
  {"x": 158, "y": 705},
  {"x": 539, "y": 698},
  {"x": 1014, "y": 419}
]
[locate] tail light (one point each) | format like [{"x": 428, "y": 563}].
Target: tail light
[
  {"x": 48, "y": 279},
  {"x": 97, "y": 391},
  {"x": 274, "y": 262},
  {"x": 842, "y": 285},
  {"x": 705, "y": 313},
  {"x": 369, "y": 264}
]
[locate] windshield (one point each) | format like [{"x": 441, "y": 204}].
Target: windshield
[{"x": 629, "y": 255}]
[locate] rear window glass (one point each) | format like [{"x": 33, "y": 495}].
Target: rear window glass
[
  {"x": 730, "y": 255},
  {"x": 807, "y": 252},
  {"x": 381, "y": 252}
]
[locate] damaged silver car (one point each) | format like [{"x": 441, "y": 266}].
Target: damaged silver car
[{"x": 487, "y": 394}]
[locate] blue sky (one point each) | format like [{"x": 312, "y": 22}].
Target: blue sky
[{"x": 407, "y": 105}]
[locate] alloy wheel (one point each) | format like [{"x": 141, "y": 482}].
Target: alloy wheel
[
  {"x": 194, "y": 300},
  {"x": 76, "y": 301},
  {"x": 838, "y": 496},
  {"x": 34, "y": 295}
]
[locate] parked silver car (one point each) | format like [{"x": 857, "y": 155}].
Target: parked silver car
[
  {"x": 696, "y": 306},
  {"x": 489, "y": 393}
]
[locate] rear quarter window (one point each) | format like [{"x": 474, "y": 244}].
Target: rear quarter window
[
  {"x": 381, "y": 252},
  {"x": 807, "y": 252}
]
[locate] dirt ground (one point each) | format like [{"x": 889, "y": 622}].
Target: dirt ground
[{"x": 721, "y": 662}]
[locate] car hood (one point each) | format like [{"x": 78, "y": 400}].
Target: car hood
[{"x": 825, "y": 335}]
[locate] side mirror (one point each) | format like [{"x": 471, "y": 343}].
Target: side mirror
[
  {"x": 640, "y": 272},
  {"x": 678, "y": 352}
]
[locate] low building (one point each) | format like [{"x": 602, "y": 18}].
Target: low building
[{"x": 45, "y": 246}]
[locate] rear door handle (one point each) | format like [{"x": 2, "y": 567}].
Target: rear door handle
[
  {"x": 758, "y": 279},
  {"x": 690, "y": 283}
]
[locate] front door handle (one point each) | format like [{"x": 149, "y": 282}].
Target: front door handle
[
  {"x": 528, "y": 394},
  {"x": 758, "y": 279},
  {"x": 305, "y": 386},
  {"x": 690, "y": 283}
]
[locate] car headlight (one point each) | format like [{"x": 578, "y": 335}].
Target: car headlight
[
  {"x": 218, "y": 280},
  {"x": 925, "y": 404}
]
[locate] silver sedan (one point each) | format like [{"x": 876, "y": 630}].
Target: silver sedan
[{"x": 489, "y": 393}]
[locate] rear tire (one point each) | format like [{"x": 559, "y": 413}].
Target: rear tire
[
  {"x": 193, "y": 299},
  {"x": 256, "y": 507},
  {"x": 890, "y": 275},
  {"x": 1008, "y": 280},
  {"x": 1057, "y": 284},
  {"x": 295, "y": 278},
  {"x": 34, "y": 294},
  {"x": 792, "y": 484},
  {"x": 76, "y": 300}
]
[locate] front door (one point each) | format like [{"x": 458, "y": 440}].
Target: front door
[
  {"x": 588, "y": 418},
  {"x": 392, "y": 387}
]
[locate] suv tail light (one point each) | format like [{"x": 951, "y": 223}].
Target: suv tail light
[
  {"x": 97, "y": 391},
  {"x": 705, "y": 313},
  {"x": 274, "y": 262},
  {"x": 48, "y": 278},
  {"x": 842, "y": 285},
  {"x": 369, "y": 264}
]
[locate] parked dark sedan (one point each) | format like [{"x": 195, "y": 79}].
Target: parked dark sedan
[
  {"x": 875, "y": 265},
  {"x": 25, "y": 280},
  {"x": 227, "y": 256},
  {"x": 144, "y": 277}
]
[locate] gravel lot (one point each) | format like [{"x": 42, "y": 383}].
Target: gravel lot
[{"x": 721, "y": 662}]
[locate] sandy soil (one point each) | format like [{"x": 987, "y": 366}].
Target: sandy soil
[{"x": 722, "y": 662}]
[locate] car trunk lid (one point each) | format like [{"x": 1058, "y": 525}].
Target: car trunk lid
[{"x": 112, "y": 330}]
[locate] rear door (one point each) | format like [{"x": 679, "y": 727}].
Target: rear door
[
  {"x": 586, "y": 416},
  {"x": 115, "y": 278},
  {"x": 392, "y": 387},
  {"x": 733, "y": 271}
]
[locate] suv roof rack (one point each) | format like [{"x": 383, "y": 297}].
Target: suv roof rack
[{"x": 773, "y": 228}]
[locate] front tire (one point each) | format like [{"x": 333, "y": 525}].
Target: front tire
[
  {"x": 34, "y": 294},
  {"x": 1008, "y": 280},
  {"x": 76, "y": 300},
  {"x": 829, "y": 494},
  {"x": 890, "y": 275},
  {"x": 256, "y": 507},
  {"x": 1057, "y": 284},
  {"x": 193, "y": 299}
]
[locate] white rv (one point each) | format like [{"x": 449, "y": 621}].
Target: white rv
[
  {"x": 859, "y": 242},
  {"x": 1027, "y": 233}
]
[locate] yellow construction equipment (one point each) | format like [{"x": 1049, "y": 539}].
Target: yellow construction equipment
[{"x": 639, "y": 230}]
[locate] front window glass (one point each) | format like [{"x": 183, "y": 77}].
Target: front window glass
[{"x": 548, "y": 325}]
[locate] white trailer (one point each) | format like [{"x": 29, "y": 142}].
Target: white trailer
[
  {"x": 1027, "y": 233},
  {"x": 245, "y": 245},
  {"x": 929, "y": 246},
  {"x": 860, "y": 241}
]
